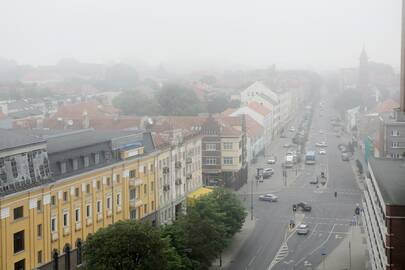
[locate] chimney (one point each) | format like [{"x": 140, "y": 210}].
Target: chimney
[{"x": 402, "y": 87}]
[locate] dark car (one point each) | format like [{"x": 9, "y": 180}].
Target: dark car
[{"x": 303, "y": 206}]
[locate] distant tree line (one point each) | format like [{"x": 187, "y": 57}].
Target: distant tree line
[
  {"x": 193, "y": 241},
  {"x": 171, "y": 99}
]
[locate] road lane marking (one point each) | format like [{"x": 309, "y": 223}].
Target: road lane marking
[{"x": 251, "y": 261}]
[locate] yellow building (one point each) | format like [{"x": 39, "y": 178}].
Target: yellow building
[{"x": 98, "y": 178}]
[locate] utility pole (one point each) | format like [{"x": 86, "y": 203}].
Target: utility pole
[{"x": 251, "y": 200}]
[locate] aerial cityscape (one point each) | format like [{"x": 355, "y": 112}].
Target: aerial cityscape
[{"x": 237, "y": 136}]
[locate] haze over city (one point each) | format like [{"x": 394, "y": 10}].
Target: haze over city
[{"x": 313, "y": 34}]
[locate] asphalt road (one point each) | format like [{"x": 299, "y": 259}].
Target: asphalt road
[{"x": 272, "y": 245}]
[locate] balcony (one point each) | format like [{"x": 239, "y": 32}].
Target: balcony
[
  {"x": 54, "y": 236},
  {"x": 189, "y": 176},
  {"x": 78, "y": 226},
  {"x": 134, "y": 203},
  {"x": 99, "y": 216},
  {"x": 119, "y": 209},
  {"x": 89, "y": 221},
  {"x": 66, "y": 231},
  {"x": 109, "y": 212},
  {"x": 133, "y": 182},
  {"x": 177, "y": 164},
  {"x": 189, "y": 160},
  {"x": 178, "y": 181},
  {"x": 166, "y": 170}
]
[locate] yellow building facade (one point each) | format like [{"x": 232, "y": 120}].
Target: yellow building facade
[{"x": 38, "y": 220}]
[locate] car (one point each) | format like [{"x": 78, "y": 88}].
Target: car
[
  {"x": 321, "y": 131},
  {"x": 322, "y": 151},
  {"x": 268, "y": 172},
  {"x": 292, "y": 129},
  {"x": 345, "y": 157},
  {"x": 283, "y": 135},
  {"x": 268, "y": 197},
  {"x": 302, "y": 229},
  {"x": 272, "y": 160},
  {"x": 303, "y": 206},
  {"x": 314, "y": 180},
  {"x": 287, "y": 145},
  {"x": 321, "y": 144}
]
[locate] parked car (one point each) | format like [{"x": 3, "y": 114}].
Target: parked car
[
  {"x": 272, "y": 160},
  {"x": 268, "y": 197},
  {"x": 303, "y": 206},
  {"x": 322, "y": 151},
  {"x": 302, "y": 229},
  {"x": 292, "y": 129},
  {"x": 314, "y": 180}
]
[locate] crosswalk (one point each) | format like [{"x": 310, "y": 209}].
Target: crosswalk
[{"x": 281, "y": 254}]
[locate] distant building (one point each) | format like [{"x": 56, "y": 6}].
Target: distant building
[
  {"x": 384, "y": 214},
  {"x": 392, "y": 135}
]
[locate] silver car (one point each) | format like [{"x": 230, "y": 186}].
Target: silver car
[
  {"x": 268, "y": 197},
  {"x": 302, "y": 229}
]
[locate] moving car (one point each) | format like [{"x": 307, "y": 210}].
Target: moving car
[
  {"x": 322, "y": 151},
  {"x": 321, "y": 131},
  {"x": 345, "y": 157},
  {"x": 272, "y": 160},
  {"x": 267, "y": 172},
  {"x": 292, "y": 129},
  {"x": 287, "y": 145},
  {"x": 321, "y": 144},
  {"x": 302, "y": 229},
  {"x": 303, "y": 205},
  {"x": 268, "y": 197}
]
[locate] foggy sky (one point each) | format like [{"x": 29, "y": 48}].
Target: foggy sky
[{"x": 316, "y": 34}]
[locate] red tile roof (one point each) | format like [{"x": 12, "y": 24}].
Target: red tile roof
[
  {"x": 257, "y": 107},
  {"x": 386, "y": 106},
  {"x": 253, "y": 128},
  {"x": 92, "y": 108}
]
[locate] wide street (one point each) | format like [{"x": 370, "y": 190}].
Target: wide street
[{"x": 272, "y": 245}]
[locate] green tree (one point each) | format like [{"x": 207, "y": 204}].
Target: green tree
[
  {"x": 129, "y": 245},
  {"x": 175, "y": 99},
  {"x": 217, "y": 104},
  {"x": 134, "y": 102}
]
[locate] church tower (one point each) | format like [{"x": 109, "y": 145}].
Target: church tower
[{"x": 363, "y": 80}]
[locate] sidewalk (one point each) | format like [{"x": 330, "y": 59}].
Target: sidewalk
[
  {"x": 236, "y": 244},
  {"x": 339, "y": 259}
]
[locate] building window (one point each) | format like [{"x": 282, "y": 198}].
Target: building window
[
  {"x": 88, "y": 210},
  {"x": 227, "y": 146},
  {"x": 108, "y": 181},
  {"x": 145, "y": 170},
  {"x": 145, "y": 209},
  {"x": 118, "y": 178},
  {"x": 77, "y": 214},
  {"x": 132, "y": 214},
  {"x": 210, "y": 161},
  {"x": 108, "y": 202},
  {"x": 97, "y": 158},
  {"x": 53, "y": 200},
  {"x": 65, "y": 196},
  {"x": 18, "y": 212},
  {"x": 153, "y": 205},
  {"x": 132, "y": 173},
  {"x": 395, "y": 144},
  {"x": 62, "y": 167},
  {"x": 53, "y": 224},
  {"x": 145, "y": 189},
  {"x": 14, "y": 168},
  {"x": 20, "y": 265},
  {"x": 39, "y": 257},
  {"x": 98, "y": 207},
  {"x": 75, "y": 164},
  {"x": 119, "y": 199},
  {"x": 18, "y": 241},
  {"x": 98, "y": 185},
  {"x": 228, "y": 160},
  {"x": 151, "y": 167},
  {"x": 210, "y": 147},
  {"x": 395, "y": 133},
  {"x": 39, "y": 230},
  {"x": 39, "y": 205},
  {"x": 86, "y": 161},
  {"x": 77, "y": 193},
  {"x": 152, "y": 186},
  {"x": 65, "y": 218},
  {"x": 132, "y": 194},
  {"x": 87, "y": 188}
]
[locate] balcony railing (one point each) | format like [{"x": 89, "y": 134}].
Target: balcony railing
[
  {"x": 134, "y": 203},
  {"x": 133, "y": 182}
]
